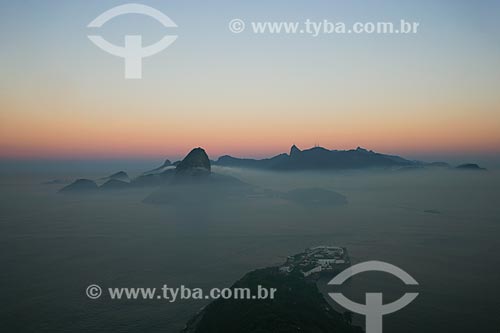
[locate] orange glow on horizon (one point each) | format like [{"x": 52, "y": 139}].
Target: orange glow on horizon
[
  {"x": 44, "y": 138},
  {"x": 65, "y": 129}
]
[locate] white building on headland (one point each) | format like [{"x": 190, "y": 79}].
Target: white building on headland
[{"x": 318, "y": 259}]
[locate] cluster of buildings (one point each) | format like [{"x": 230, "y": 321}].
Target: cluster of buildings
[{"x": 318, "y": 260}]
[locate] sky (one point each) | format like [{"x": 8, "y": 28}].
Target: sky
[{"x": 431, "y": 95}]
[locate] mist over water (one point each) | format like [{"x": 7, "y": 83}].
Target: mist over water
[{"x": 441, "y": 226}]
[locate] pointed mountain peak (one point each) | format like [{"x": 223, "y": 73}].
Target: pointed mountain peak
[{"x": 294, "y": 150}]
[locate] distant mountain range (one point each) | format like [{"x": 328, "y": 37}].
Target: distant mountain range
[
  {"x": 166, "y": 165},
  {"x": 321, "y": 158},
  {"x": 196, "y": 168},
  {"x": 192, "y": 182},
  {"x": 120, "y": 175}
]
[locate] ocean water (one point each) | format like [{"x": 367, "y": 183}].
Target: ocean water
[{"x": 53, "y": 246}]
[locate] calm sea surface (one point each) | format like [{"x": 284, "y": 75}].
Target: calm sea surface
[{"x": 53, "y": 246}]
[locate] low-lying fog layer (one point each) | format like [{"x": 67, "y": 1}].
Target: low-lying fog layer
[{"x": 441, "y": 226}]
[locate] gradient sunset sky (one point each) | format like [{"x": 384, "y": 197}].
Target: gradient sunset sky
[{"x": 435, "y": 93}]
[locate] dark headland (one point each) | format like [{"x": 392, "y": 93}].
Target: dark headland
[{"x": 297, "y": 306}]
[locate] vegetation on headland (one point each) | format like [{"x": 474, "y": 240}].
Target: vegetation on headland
[{"x": 298, "y": 306}]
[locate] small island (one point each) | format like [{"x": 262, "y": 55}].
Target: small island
[{"x": 470, "y": 166}]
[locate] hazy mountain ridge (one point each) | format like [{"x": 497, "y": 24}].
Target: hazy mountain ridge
[
  {"x": 120, "y": 175},
  {"x": 166, "y": 165},
  {"x": 193, "y": 182},
  {"x": 319, "y": 158},
  {"x": 196, "y": 167}
]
